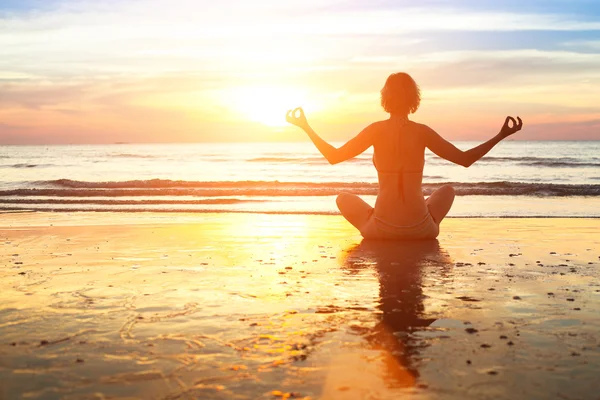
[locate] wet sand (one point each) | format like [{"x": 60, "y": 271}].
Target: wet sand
[{"x": 247, "y": 306}]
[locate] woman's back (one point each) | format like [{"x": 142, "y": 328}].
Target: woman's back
[
  {"x": 399, "y": 153},
  {"x": 401, "y": 211}
]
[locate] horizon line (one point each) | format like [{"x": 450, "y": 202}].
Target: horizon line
[{"x": 264, "y": 141}]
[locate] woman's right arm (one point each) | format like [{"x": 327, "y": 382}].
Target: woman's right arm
[{"x": 448, "y": 151}]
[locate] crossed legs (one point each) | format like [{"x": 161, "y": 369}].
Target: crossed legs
[
  {"x": 357, "y": 212},
  {"x": 440, "y": 202},
  {"x": 354, "y": 209}
]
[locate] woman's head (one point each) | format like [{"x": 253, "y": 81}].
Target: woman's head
[{"x": 400, "y": 95}]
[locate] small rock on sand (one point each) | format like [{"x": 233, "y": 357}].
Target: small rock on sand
[{"x": 467, "y": 298}]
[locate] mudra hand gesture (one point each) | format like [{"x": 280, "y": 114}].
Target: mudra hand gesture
[
  {"x": 296, "y": 117},
  {"x": 507, "y": 129}
]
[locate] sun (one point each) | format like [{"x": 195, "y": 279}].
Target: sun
[{"x": 268, "y": 104}]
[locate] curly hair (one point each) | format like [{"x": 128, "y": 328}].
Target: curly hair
[{"x": 400, "y": 94}]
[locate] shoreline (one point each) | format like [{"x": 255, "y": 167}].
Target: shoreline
[
  {"x": 464, "y": 206},
  {"x": 191, "y": 213}
]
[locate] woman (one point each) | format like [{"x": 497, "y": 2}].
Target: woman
[{"x": 401, "y": 211}]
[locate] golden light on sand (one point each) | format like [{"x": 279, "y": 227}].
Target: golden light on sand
[{"x": 268, "y": 104}]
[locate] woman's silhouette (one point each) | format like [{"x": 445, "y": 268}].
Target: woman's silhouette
[{"x": 401, "y": 211}]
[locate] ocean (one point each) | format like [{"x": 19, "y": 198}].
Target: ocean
[{"x": 516, "y": 179}]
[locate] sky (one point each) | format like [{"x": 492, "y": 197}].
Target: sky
[{"x": 193, "y": 71}]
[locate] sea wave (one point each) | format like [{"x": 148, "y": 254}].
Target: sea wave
[
  {"x": 563, "y": 164},
  {"x": 104, "y": 201},
  {"x": 303, "y": 160},
  {"x": 552, "y": 162},
  {"x": 162, "y": 187},
  {"x": 178, "y": 210},
  {"x": 20, "y": 165},
  {"x": 180, "y": 184},
  {"x": 131, "y": 155}
]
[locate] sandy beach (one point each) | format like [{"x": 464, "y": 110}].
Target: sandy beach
[{"x": 246, "y": 306}]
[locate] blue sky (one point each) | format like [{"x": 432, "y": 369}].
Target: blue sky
[
  {"x": 88, "y": 71},
  {"x": 25, "y": 5}
]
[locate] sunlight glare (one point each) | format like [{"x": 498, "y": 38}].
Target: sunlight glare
[{"x": 268, "y": 105}]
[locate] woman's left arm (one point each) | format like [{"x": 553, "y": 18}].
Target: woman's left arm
[{"x": 352, "y": 148}]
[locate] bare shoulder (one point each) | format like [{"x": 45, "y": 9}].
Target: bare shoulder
[
  {"x": 423, "y": 130},
  {"x": 421, "y": 127},
  {"x": 377, "y": 126}
]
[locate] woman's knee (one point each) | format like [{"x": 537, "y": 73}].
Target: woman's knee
[
  {"x": 443, "y": 195},
  {"x": 440, "y": 202},
  {"x": 343, "y": 199},
  {"x": 339, "y": 199},
  {"x": 447, "y": 191},
  {"x": 354, "y": 209}
]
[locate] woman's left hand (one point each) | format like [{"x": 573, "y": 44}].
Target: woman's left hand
[
  {"x": 297, "y": 117},
  {"x": 508, "y": 130}
]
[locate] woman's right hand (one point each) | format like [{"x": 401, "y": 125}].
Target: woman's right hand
[
  {"x": 507, "y": 129},
  {"x": 294, "y": 118}
]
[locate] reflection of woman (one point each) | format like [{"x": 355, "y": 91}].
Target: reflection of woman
[
  {"x": 400, "y": 266},
  {"x": 399, "y": 145}
]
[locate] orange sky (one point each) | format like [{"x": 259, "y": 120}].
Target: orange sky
[{"x": 132, "y": 71}]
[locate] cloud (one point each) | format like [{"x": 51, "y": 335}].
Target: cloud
[
  {"x": 119, "y": 65},
  {"x": 583, "y": 45},
  {"x": 153, "y": 37}
]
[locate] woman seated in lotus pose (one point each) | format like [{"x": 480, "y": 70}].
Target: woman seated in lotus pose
[{"x": 401, "y": 211}]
